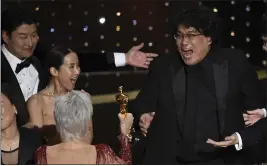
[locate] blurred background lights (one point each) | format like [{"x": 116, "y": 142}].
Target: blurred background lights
[
  {"x": 102, "y": 20},
  {"x": 85, "y": 28},
  {"x": 166, "y": 4},
  {"x": 232, "y": 33},
  {"x": 134, "y": 22},
  {"x": 118, "y": 14},
  {"x": 233, "y": 18},
  {"x": 248, "y": 8},
  {"x": 118, "y": 28},
  {"x": 242, "y": 27}
]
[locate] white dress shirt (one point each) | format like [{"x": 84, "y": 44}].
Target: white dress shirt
[
  {"x": 239, "y": 146},
  {"x": 28, "y": 78}
]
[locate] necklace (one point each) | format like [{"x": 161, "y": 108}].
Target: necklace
[{"x": 50, "y": 93}]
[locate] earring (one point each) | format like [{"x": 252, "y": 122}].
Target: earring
[
  {"x": 210, "y": 42},
  {"x": 16, "y": 111}
]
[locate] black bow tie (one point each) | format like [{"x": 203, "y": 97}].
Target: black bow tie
[{"x": 23, "y": 64}]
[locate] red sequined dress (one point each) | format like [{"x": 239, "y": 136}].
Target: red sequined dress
[{"x": 105, "y": 155}]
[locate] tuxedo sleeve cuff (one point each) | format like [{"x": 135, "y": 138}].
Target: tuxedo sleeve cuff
[
  {"x": 120, "y": 59},
  {"x": 239, "y": 145}
]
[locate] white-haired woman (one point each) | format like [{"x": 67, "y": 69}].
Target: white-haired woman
[{"x": 73, "y": 117}]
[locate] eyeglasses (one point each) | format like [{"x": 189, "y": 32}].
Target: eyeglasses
[{"x": 189, "y": 36}]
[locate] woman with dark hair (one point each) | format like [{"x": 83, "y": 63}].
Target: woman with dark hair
[
  {"x": 63, "y": 66},
  {"x": 16, "y": 147}
]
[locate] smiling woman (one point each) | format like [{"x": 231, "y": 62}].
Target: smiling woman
[{"x": 63, "y": 66}]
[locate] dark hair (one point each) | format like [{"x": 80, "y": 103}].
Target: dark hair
[
  {"x": 202, "y": 19},
  {"x": 14, "y": 17},
  {"x": 55, "y": 58},
  {"x": 7, "y": 90}
]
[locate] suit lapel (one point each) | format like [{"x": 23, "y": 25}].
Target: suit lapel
[
  {"x": 178, "y": 82},
  {"x": 9, "y": 77},
  {"x": 221, "y": 87}
]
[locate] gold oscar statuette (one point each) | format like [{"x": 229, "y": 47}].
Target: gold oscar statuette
[{"x": 123, "y": 99}]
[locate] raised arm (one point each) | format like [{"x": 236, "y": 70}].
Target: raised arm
[
  {"x": 110, "y": 60},
  {"x": 35, "y": 111}
]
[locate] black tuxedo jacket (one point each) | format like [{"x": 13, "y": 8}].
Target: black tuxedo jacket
[
  {"x": 9, "y": 77},
  {"x": 237, "y": 90},
  {"x": 254, "y": 134}
]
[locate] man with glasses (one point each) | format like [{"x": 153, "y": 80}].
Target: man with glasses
[{"x": 200, "y": 93}]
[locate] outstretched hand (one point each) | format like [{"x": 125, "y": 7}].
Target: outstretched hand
[
  {"x": 228, "y": 141},
  {"x": 137, "y": 58}
]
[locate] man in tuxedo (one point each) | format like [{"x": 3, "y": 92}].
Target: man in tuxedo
[
  {"x": 198, "y": 94},
  {"x": 20, "y": 68}
]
